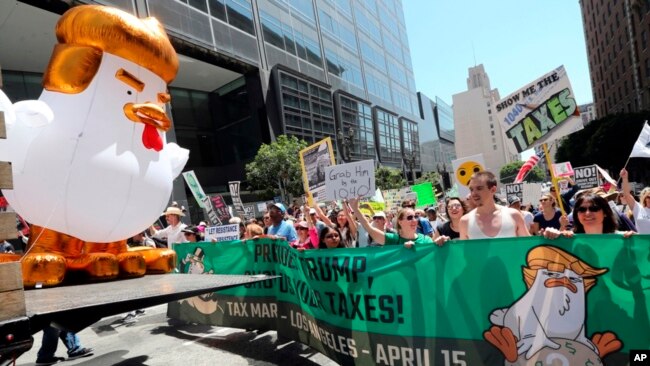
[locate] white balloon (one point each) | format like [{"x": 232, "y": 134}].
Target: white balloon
[{"x": 84, "y": 170}]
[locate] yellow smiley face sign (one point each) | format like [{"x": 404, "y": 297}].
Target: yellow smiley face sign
[{"x": 465, "y": 171}]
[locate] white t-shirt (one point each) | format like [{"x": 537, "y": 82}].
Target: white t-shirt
[
  {"x": 528, "y": 218},
  {"x": 173, "y": 234},
  {"x": 641, "y": 218}
]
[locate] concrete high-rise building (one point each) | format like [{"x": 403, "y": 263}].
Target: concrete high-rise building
[
  {"x": 476, "y": 127},
  {"x": 436, "y": 134},
  {"x": 251, "y": 70},
  {"x": 616, "y": 33}
]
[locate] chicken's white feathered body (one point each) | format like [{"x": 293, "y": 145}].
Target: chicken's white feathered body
[{"x": 87, "y": 173}]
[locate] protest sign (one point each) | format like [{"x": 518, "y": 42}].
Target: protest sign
[
  {"x": 463, "y": 170},
  {"x": 194, "y": 186},
  {"x": 394, "y": 197},
  {"x": 313, "y": 161},
  {"x": 392, "y": 305},
  {"x": 220, "y": 207},
  {"x": 201, "y": 198},
  {"x": 532, "y": 193},
  {"x": 236, "y": 200},
  {"x": 222, "y": 233},
  {"x": 516, "y": 189},
  {"x": 351, "y": 180},
  {"x": 561, "y": 170},
  {"x": 586, "y": 176},
  {"x": 541, "y": 111},
  {"x": 425, "y": 194}
]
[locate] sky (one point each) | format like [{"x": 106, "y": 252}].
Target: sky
[{"x": 517, "y": 41}]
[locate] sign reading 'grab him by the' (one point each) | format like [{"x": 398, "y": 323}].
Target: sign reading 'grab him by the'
[{"x": 350, "y": 180}]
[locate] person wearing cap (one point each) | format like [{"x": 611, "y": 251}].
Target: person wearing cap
[
  {"x": 280, "y": 228},
  {"x": 173, "y": 232},
  {"x": 378, "y": 222},
  {"x": 192, "y": 234},
  {"x": 515, "y": 202},
  {"x": 566, "y": 196},
  {"x": 641, "y": 208}
]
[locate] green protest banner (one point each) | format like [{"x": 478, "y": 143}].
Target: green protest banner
[
  {"x": 426, "y": 195},
  {"x": 515, "y": 301}
]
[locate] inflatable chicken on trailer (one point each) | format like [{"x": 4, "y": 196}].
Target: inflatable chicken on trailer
[{"x": 91, "y": 166}]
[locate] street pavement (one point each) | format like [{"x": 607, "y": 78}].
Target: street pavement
[{"x": 156, "y": 340}]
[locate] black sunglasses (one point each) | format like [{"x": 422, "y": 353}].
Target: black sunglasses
[
  {"x": 410, "y": 217},
  {"x": 330, "y": 236},
  {"x": 583, "y": 209}
]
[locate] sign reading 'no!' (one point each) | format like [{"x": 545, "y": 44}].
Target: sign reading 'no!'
[{"x": 350, "y": 180}]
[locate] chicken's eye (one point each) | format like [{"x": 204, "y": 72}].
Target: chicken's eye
[
  {"x": 129, "y": 92},
  {"x": 575, "y": 279}
]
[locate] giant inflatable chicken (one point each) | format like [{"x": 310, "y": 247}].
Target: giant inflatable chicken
[{"x": 91, "y": 166}]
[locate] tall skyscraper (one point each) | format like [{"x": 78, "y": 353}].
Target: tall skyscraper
[
  {"x": 475, "y": 123},
  {"x": 616, "y": 33}
]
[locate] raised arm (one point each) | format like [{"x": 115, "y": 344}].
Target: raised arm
[
  {"x": 322, "y": 216},
  {"x": 377, "y": 235},
  {"x": 351, "y": 221},
  {"x": 627, "y": 196}
]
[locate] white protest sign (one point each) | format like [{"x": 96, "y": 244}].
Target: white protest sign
[
  {"x": 561, "y": 170},
  {"x": 531, "y": 193},
  {"x": 541, "y": 111},
  {"x": 222, "y": 233},
  {"x": 586, "y": 176},
  {"x": 350, "y": 180}
]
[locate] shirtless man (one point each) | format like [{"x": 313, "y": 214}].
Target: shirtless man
[{"x": 489, "y": 220}]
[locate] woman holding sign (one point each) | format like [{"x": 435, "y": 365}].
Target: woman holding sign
[{"x": 407, "y": 225}]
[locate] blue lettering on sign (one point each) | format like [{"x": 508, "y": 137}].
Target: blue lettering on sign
[{"x": 512, "y": 115}]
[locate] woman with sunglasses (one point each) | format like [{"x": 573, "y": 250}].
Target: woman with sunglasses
[
  {"x": 591, "y": 215},
  {"x": 549, "y": 216},
  {"x": 304, "y": 241},
  {"x": 407, "y": 225},
  {"x": 455, "y": 209}
]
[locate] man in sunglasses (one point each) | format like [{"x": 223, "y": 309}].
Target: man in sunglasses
[
  {"x": 488, "y": 220},
  {"x": 566, "y": 196}
]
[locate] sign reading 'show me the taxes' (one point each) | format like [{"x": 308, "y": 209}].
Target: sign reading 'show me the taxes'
[
  {"x": 222, "y": 233},
  {"x": 350, "y": 180},
  {"x": 541, "y": 111},
  {"x": 586, "y": 176}
]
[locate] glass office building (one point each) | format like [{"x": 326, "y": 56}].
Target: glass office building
[
  {"x": 251, "y": 70},
  {"x": 437, "y": 137}
]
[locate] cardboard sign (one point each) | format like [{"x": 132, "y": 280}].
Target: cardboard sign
[
  {"x": 220, "y": 207},
  {"x": 236, "y": 200},
  {"x": 532, "y": 192},
  {"x": 516, "y": 189},
  {"x": 314, "y": 160},
  {"x": 350, "y": 180},
  {"x": 213, "y": 217},
  {"x": 561, "y": 170},
  {"x": 586, "y": 176},
  {"x": 541, "y": 111},
  {"x": 222, "y": 233}
]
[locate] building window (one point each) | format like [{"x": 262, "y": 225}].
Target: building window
[
  {"x": 494, "y": 147},
  {"x": 357, "y": 116},
  {"x": 492, "y": 132},
  {"x": 389, "y": 139},
  {"x": 240, "y": 15},
  {"x": 307, "y": 109}
]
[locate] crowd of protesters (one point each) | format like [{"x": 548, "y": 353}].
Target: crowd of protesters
[{"x": 481, "y": 214}]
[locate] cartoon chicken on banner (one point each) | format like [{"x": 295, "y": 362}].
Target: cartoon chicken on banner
[
  {"x": 547, "y": 323},
  {"x": 91, "y": 166}
]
